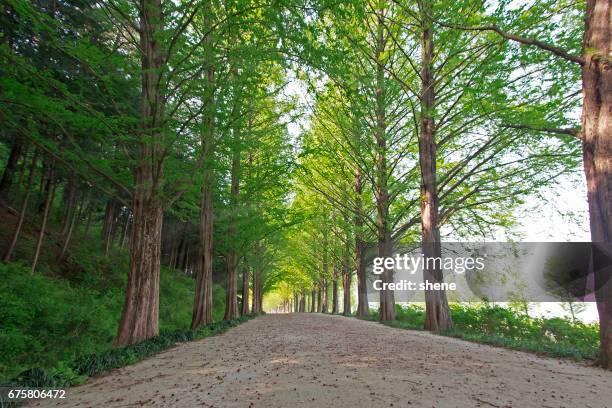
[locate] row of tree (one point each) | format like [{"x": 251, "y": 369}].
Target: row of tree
[
  {"x": 437, "y": 121},
  {"x": 161, "y": 124},
  {"x": 167, "y": 123}
]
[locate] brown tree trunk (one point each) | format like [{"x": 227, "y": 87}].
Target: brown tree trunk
[
  {"x": 45, "y": 185},
  {"x": 363, "y": 308},
  {"x": 385, "y": 244},
  {"x": 335, "y": 291},
  {"x": 69, "y": 201},
  {"x": 181, "y": 247},
  {"x": 140, "y": 315},
  {"x": 187, "y": 260},
  {"x": 257, "y": 292},
  {"x": 387, "y": 298},
  {"x": 255, "y": 283},
  {"x": 437, "y": 312},
  {"x": 346, "y": 275},
  {"x": 346, "y": 281},
  {"x": 23, "y": 165},
  {"x": 231, "y": 304},
  {"x": 245, "y": 287},
  {"x": 313, "y": 303},
  {"x": 597, "y": 151},
  {"x": 22, "y": 212},
  {"x": 325, "y": 296},
  {"x": 68, "y": 234},
  {"x": 126, "y": 226},
  {"x": 9, "y": 169},
  {"x": 172, "y": 255},
  {"x": 346, "y": 291},
  {"x": 202, "y": 303},
  {"x": 47, "y": 208},
  {"x": 107, "y": 226}
]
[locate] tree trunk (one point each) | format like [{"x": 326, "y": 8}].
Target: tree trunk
[
  {"x": 47, "y": 208},
  {"x": 22, "y": 212},
  {"x": 255, "y": 283},
  {"x": 107, "y": 226},
  {"x": 385, "y": 244},
  {"x": 187, "y": 260},
  {"x": 387, "y": 299},
  {"x": 346, "y": 288},
  {"x": 303, "y": 303},
  {"x": 245, "y": 287},
  {"x": 363, "y": 308},
  {"x": 231, "y": 304},
  {"x": 45, "y": 185},
  {"x": 23, "y": 165},
  {"x": 172, "y": 255},
  {"x": 69, "y": 201},
  {"x": 325, "y": 296},
  {"x": 181, "y": 246},
  {"x": 597, "y": 151},
  {"x": 335, "y": 291},
  {"x": 126, "y": 226},
  {"x": 313, "y": 302},
  {"x": 202, "y": 303},
  {"x": 68, "y": 235},
  {"x": 9, "y": 169},
  {"x": 257, "y": 295},
  {"x": 140, "y": 315},
  {"x": 437, "y": 313}
]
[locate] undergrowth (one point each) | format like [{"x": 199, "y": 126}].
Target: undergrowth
[
  {"x": 500, "y": 326},
  {"x": 53, "y": 317},
  {"x": 76, "y": 371}
]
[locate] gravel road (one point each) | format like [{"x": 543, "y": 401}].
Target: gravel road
[{"x": 315, "y": 360}]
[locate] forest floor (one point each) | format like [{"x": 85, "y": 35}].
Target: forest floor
[{"x": 332, "y": 361}]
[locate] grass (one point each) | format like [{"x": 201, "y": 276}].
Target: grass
[
  {"x": 64, "y": 312},
  {"x": 499, "y": 326},
  {"x": 78, "y": 370}
]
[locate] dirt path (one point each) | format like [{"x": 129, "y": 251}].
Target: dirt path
[{"x": 332, "y": 361}]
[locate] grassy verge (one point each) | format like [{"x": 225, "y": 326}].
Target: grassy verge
[
  {"x": 53, "y": 317},
  {"x": 503, "y": 327},
  {"x": 78, "y": 370}
]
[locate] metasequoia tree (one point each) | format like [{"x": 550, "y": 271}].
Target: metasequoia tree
[
  {"x": 532, "y": 30},
  {"x": 452, "y": 102}
]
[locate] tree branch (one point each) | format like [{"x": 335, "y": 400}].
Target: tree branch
[
  {"x": 523, "y": 40},
  {"x": 561, "y": 131}
]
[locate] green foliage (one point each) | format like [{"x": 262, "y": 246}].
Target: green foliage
[
  {"x": 504, "y": 327},
  {"x": 46, "y": 320}
]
